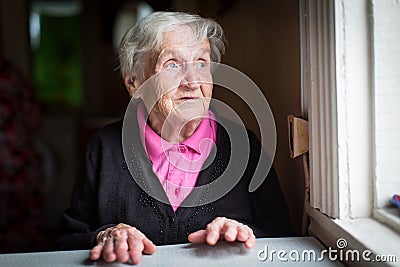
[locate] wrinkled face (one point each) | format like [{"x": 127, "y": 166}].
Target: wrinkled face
[{"x": 181, "y": 88}]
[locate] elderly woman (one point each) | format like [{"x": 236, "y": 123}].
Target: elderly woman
[{"x": 165, "y": 62}]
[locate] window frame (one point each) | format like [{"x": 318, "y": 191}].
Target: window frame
[{"x": 338, "y": 82}]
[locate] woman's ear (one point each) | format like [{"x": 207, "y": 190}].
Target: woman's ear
[{"x": 131, "y": 84}]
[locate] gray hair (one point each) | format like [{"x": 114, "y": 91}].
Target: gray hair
[{"x": 146, "y": 36}]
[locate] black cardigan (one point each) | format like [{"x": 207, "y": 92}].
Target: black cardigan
[{"x": 105, "y": 194}]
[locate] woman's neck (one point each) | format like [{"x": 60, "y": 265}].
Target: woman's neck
[{"x": 173, "y": 131}]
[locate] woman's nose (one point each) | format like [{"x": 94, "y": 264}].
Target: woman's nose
[{"x": 190, "y": 78}]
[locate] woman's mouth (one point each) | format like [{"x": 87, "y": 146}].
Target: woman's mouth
[{"x": 187, "y": 98}]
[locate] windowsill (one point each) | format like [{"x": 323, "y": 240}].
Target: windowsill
[
  {"x": 389, "y": 216},
  {"x": 360, "y": 234}
]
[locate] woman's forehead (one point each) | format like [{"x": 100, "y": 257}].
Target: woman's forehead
[
  {"x": 182, "y": 49},
  {"x": 183, "y": 45},
  {"x": 182, "y": 36}
]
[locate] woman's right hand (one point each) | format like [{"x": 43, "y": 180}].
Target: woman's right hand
[{"x": 121, "y": 243}]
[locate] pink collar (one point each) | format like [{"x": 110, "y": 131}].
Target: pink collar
[{"x": 155, "y": 145}]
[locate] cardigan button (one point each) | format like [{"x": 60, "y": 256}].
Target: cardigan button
[{"x": 171, "y": 219}]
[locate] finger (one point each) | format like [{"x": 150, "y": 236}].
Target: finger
[
  {"x": 108, "y": 250},
  {"x": 149, "y": 247},
  {"x": 230, "y": 231},
  {"x": 250, "y": 242},
  {"x": 213, "y": 230},
  {"x": 212, "y": 237},
  {"x": 95, "y": 252},
  {"x": 198, "y": 237},
  {"x": 121, "y": 245},
  {"x": 136, "y": 248},
  {"x": 244, "y": 233}
]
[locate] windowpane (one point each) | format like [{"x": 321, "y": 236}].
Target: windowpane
[
  {"x": 387, "y": 99},
  {"x": 56, "y": 52}
]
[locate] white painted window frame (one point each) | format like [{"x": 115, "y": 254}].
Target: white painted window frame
[{"x": 338, "y": 87}]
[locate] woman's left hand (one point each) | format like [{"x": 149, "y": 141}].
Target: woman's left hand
[{"x": 222, "y": 228}]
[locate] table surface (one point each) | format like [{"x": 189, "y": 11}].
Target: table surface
[{"x": 298, "y": 253}]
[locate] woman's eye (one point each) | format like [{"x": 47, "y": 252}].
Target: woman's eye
[
  {"x": 201, "y": 64},
  {"x": 172, "y": 66}
]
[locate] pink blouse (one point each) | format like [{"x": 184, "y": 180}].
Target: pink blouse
[{"x": 178, "y": 165}]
